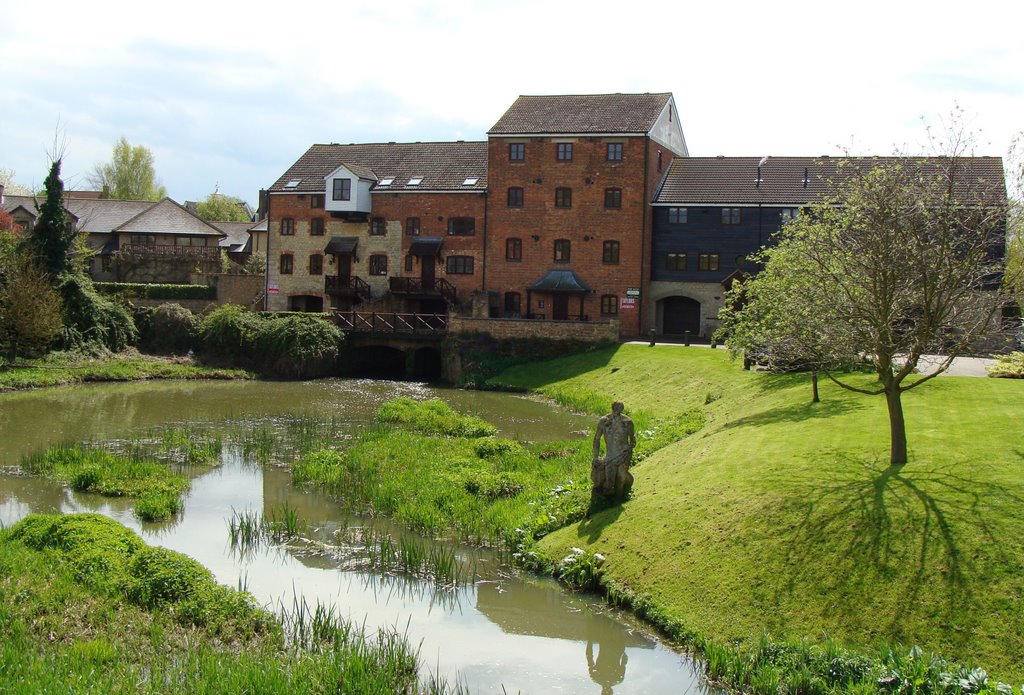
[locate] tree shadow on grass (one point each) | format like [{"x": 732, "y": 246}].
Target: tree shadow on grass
[
  {"x": 881, "y": 528},
  {"x": 798, "y": 412}
]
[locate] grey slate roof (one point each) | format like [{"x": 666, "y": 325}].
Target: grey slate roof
[
  {"x": 103, "y": 216},
  {"x": 237, "y": 232},
  {"x": 732, "y": 180},
  {"x": 425, "y": 246},
  {"x": 342, "y": 244},
  {"x": 561, "y": 281},
  {"x": 444, "y": 166},
  {"x": 581, "y": 114},
  {"x": 168, "y": 217}
]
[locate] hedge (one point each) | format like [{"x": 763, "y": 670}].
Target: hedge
[{"x": 141, "y": 290}]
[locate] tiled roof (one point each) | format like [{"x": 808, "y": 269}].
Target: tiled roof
[
  {"x": 102, "y": 216},
  {"x": 581, "y": 114},
  {"x": 561, "y": 281},
  {"x": 167, "y": 217},
  {"x": 444, "y": 166},
  {"x": 733, "y": 180},
  {"x": 237, "y": 232}
]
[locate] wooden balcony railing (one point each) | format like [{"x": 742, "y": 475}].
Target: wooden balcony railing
[
  {"x": 209, "y": 253},
  {"x": 383, "y": 322},
  {"x": 347, "y": 286},
  {"x": 416, "y": 286}
]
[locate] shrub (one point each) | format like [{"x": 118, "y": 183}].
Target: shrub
[
  {"x": 298, "y": 346},
  {"x": 228, "y": 332},
  {"x": 167, "y": 329},
  {"x": 433, "y": 417},
  {"x": 141, "y": 290},
  {"x": 492, "y": 447},
  {"x": 1009, "y": 366},
  {"x": 92, "y": 319}
]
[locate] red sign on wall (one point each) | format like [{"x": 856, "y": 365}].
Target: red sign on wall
[{"x": 627, "y": 303}]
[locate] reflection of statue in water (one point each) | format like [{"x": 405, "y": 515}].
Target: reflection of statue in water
[
  {"x": 609, "y": 669},
  {"x": 610, "y": 475}
]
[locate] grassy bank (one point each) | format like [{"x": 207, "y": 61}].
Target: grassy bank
[
  {"x": 783, "y": 517},
  {"x": 87, "y": 607},
  {"x": 61, "y": 369}
]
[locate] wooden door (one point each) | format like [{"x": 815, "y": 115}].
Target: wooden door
[
  {"x": 560, "y": 307},
  {"x": 427, "y": 272},
  {"x": 345, "y": 268}
]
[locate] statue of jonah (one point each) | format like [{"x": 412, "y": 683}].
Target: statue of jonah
[{"x": 610, "y": 475}]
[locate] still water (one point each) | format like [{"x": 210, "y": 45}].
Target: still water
[{"x": 502, "y": 630}]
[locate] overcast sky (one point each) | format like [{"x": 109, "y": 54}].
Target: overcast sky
[{"x": 232, "y": 96}]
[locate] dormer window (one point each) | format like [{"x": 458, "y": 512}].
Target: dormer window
[
  {"x": 386, "y": 182},
  {"x": 471, "y": 181},
  {"x": 415, "y": 180},
  {"x": 342, "y": 189},
  {"x": 293, "y": 184}
]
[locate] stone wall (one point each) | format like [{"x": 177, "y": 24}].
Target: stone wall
[
  {"x": 240, "y": 289},
  {"x": 503, "y": 329}
]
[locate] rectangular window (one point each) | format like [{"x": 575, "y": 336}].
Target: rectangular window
[
  {"x": 412, "y": 226},
  {"x": 513, "y": 305},
  {"x": 659, "y": 160},
  {"x": 563, "y": 197},
  {"x": 287, "y": 263},
  {"x": 316, "y": 264},
  {"x": 343, "y": 189},
  {"x": 675, "y": 261},
  {"x": 610, "y": 253},
  {"x": 614, "y": 151},
  {"x": 513, "y": 249},
  {"x": 609, "y": 304},
  {"x": 516, "y": 152},
  {"x": 287, "y": 226},
  {"x": 563, "y": 152},
  {"x": 789, "y": 214},
  {"x": 461, "y": 226},
  {"x": 730, "y": 215},
  {"x": 378, "y": 264},
  {"x": 316, "y": 201},
  {"x": 459, "y": 265},
  {"x": 677, "y": 215},
  {"x": 408, "y": 263},
  {"x": 144, "y": 239},
  {"x": 189, "y": 241},
  {"x": 613, "y": 198},
  {"x": 707, "y": 261},
  {"x": 378, "y": 227},
  {"x": 515, "y": 197},
  {"x": 316, "y": 226},
  {"x": 563, "y": 248}
]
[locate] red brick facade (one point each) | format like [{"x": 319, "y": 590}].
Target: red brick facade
[{"x": 607, "y": 204}]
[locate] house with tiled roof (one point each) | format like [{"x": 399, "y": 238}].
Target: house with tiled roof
[
  {"x": 134, "y": 240},
  {"x": 571, "y": 178},
  {"x": 397, "y": 224},
  {"x": 711, "y": 214}
]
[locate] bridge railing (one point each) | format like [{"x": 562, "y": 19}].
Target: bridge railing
[{"x": 391, "y": 322}]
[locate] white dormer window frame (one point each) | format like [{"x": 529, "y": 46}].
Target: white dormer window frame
[
  {"x": 386, "y": 182},
  {"x": 415, "y": 180}
]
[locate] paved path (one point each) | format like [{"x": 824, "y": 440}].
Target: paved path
[{"x": 962, "y": 366}]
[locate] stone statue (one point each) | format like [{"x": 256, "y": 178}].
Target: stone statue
[{"x": 610, "y": 475}]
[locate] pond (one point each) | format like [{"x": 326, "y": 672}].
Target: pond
[{"x": 501, "y": 629}]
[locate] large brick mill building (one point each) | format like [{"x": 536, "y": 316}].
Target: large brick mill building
[{"x": 577, "y": 208}]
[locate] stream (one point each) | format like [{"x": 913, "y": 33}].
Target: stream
[{"x": 502, "y": 630}]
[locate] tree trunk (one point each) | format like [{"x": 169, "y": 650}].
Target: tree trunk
[
  {"x": 897, "y": 426},
  {"x": 814, "y": 387}
]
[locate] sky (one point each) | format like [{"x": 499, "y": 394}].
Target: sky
[{"x": 227, "y": 97}]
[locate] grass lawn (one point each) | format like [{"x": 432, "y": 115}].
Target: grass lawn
[
  {"x": 59, "y": 369},
  {"x": 783, "y": 516}
]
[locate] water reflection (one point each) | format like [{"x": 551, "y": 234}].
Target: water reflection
[{"x": 503, "y": 631}]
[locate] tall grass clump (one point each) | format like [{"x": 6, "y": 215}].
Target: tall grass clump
[
  {"x": 433, "y": 416},
  {"x": 298, "y": 346},
  {"x": 156, "y": 489},
  {"x": 169, "y": 329}
]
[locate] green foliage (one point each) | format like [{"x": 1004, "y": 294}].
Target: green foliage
[
  {"x": 227, "y": 332},
  {"x": 52, "y": 237},
  {"x": 30, "y": 309},
  {"x": 495, "y": 447},
  {"x": 1010, "y": 366},
  {"x": 129, "y": 175},
  {"x": 142, "y": 290},
  {"x": 91, "y": 319},
  {"x": 433, "y": 417},
  {"x": 167, "y": 329},
  {"x": 297, "y": 346},
  {"x": 222, "y": 208},
  {"x": 580, "y": 570},
  {"x": 157, "y": 490}
]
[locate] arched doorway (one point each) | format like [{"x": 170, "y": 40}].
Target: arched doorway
[{"x": 679, "y": 315}]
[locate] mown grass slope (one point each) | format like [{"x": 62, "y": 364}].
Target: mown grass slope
[{"x": 783, "y": 516}]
